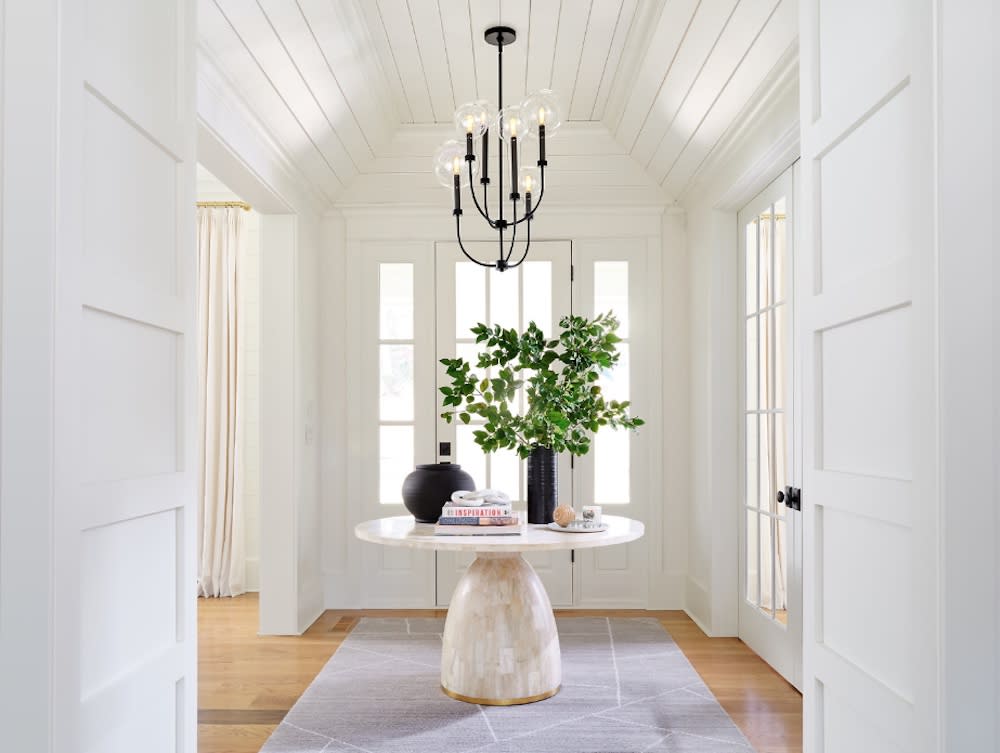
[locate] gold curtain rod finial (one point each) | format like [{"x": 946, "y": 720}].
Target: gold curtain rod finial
[{"x": 235, "y": 204}]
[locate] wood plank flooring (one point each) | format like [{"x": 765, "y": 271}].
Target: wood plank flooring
[{"x": 246, "y": 683}]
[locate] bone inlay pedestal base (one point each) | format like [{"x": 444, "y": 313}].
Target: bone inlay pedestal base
[{"x": 501, "y": 646}]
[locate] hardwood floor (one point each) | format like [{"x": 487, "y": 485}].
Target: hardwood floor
[{"x": 246, "y": 683}]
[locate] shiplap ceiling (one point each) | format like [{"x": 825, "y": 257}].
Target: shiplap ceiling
[{"x": 357, "y": 93}]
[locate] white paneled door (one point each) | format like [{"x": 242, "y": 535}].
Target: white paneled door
[
  {"x": 770, "y": 600},
  {"x": 538, "y": 291},
  {"x": 125, "y": 508},
  {"x": 865, "y": 293}
]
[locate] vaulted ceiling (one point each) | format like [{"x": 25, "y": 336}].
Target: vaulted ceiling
[{"x": 357, "y": 93}]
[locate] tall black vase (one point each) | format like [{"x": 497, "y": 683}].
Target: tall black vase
[{"x": 543, "y": 484}]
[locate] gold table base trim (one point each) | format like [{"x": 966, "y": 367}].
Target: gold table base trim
[{"x": 501, "y": 701}]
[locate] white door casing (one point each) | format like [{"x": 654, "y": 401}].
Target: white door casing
[
  {"x": 125, "y": 510},
  {"x": 539, "y": 290},
  {"x": 770, "y": 582},
  {"x": 867, "y": 322}
]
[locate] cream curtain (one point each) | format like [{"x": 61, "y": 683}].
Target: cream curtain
[{"x": 222, "y": 566}]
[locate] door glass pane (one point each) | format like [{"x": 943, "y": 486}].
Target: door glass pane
[
  {"x": 751, "y": 266},
  {"x": 611, "y": 292},
  {"x": 614, "y": 383},
  {"x": 780, "y": 461},
  {"x": 781, "y": 346},
  {"x": 470, "y": 352},
  {"x": 781, "y": 559},
  {"x": 766, "y": 464},
  {"x": 395, "y": 461},
  {"x": 537, "y": 304},
  {"x": 504, "y": 297},
  {"x": 396, "y": 382},
  {"x": 469, "y": 455},
  {"x": 395, "y": 301},
  {"x": 470, "y": 297},
  {"x": 611, "y": 467},
  {"x": 764, "y": 371},
  {"x": 780, "y": 249},
  {"x": 752, "y": 464},
  {"x": 753, "y": 587},
  {"x": 505, "y": 469},
  {"x": 764, "y": 259},
  {"x": 766, "y": 554},
  {"x": 751, "y": 361}
]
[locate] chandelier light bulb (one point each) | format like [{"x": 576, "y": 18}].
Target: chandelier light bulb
[
  {"x": 530, "y": 180},
  {"x": 542, "y": 109},
  {"x": 472, "y": 117},
  {"x": 449, "y": 161},
  {"x": 511, "y": 123}
]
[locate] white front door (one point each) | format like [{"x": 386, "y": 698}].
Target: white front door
[
  {"x": 866, "y": 293},
  {"x": 538, "y": 291},
  {"x": 770, "y": 612}
]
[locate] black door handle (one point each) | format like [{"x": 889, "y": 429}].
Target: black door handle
[{"x": 791, "y": 496}]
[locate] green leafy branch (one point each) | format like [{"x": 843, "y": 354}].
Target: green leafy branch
[{"x": 565, "y": 406}]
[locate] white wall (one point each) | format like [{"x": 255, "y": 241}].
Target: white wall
[
  {"x": 210, "y": 188},
  {"x": 759, "y": 146}
]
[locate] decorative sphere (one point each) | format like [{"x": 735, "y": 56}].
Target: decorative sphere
[
  {"x": 539, "y": 108},
  {"x": 446, "y": 157},
  {"x": 564, "y": 515}
]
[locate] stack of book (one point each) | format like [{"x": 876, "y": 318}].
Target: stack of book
[{"x": 496, "y": 519}]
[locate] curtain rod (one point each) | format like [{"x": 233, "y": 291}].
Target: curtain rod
[{"x": 240, "y": 204}]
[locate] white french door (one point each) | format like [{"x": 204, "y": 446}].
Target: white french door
[
  {"x": 770, "y": 611},
  {"x": 538, "y": 291}
]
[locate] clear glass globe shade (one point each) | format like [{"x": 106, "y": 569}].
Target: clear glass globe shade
[
  {"x": 510, "y": 122},
  {"x": 449, "y": 156},
  {"x": 472, "y": 117},
  {"x": 529, "y": 180},
  {"x": 542, "y": 108}
]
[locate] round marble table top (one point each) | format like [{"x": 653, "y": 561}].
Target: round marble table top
[{"x": 403, "y": 530}]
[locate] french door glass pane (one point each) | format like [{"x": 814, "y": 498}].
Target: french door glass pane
[
  {"x": 395, "y": 461},
  {"x": 396, "y": 301},
  {"x": 504, "y": 297},
  {"x": 765, "y": 466},
  {"x": 780, "y": 238},
  {"x": 765, "y": 260},
  {"x": 752, "y": 462},
  {"x": 781, "y": 557},
  {"x": 611, "y": 292},
  {"x": 751, "y": 267},
  {"x": 505, "y": 470},
  {"x": 614, "y": 383},
  {"x": 766, "y": 555},
  {"x": 752, "y": 545},
  {"x": 470, "y": 352},
  {"x": 751, "y": 361},
  {"x": 780, "y": 460},
  {"x": 537, "y": 291},
  {"x": 396, "y": 382},
  {"x": 611, "y": 467},
  {"x": 470, "y": 297},
  {"x": 764, "y": 378},
  {"x": 469, "y": 455},
  {"x": 780, "y": 315}
]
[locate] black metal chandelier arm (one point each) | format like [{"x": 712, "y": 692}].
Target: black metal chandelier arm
[
  {"x": 472, "y": 190},
  {"x": 458, "y": 235},
  {"x": 541, "y": 195},
  {"x": 513, "y": 233},
  {"x": 527, "y": 246}
]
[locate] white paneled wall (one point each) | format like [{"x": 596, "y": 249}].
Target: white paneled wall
[{"x": 210, "y": 188}]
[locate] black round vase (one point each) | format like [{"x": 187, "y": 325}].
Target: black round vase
[
  {"x": 427, "y": 488},
  {"x": 543, "y": 484}
]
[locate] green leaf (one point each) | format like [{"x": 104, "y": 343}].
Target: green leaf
[{"x": 465, "y": 417}]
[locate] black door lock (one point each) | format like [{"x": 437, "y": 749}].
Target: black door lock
[{"x": 792, "y": 497}]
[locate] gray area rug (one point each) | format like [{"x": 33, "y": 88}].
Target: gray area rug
[{"x": 626, "y": 688}]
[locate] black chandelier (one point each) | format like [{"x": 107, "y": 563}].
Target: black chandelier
[{"x": 534, "y": 118}]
